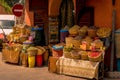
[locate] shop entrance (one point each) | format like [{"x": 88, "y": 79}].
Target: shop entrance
[
  {"x": 40, "y": 18},
  {"x": 86, "y": 16}
]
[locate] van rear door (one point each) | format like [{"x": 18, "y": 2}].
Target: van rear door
[{"x": 7, "y": 22}]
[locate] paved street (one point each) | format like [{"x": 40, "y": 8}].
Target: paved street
[{"x": 15, "y": 72}]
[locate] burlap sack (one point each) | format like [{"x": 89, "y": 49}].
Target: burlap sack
[
  {"x": 23, "y": 59},
  {"x": 52, "y": 64}
]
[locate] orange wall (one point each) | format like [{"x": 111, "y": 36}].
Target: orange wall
[
  {"x": 103, "y": 12},
  {"x": 2, "y": 10},
  {"x": 102, "y": 17},
  {"x": 29, "y": 16},
  {"x": 53, "y": 10},
  {"x": 117, "y": 7},
  {"x": 54, "y": 7}
]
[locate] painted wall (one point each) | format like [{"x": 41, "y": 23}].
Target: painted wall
[
  {"x": 53, "y": 10},
  {"x": 54, "y": 7},
  {"x": 103, "y": 12},
  {"x": 102, "y": 17},
  {"x": 2, "y": 10},
  {"x": 29, "y": 16}
]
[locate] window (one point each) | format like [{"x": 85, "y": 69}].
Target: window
[{"x": 7, "y": 24}]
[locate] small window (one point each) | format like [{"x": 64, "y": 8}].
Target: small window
[{"x": 7, "y": 24}]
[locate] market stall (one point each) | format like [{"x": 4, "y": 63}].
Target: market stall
[
  {"x": 22, "y": 48},
  {"x": 82, "y": 53}
]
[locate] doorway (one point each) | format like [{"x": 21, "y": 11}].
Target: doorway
[{"x": 86, "y": 16}]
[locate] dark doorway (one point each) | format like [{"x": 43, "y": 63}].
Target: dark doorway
[
  {"x": 86, "y": 16},
  {"x": 66, "y": 14}
]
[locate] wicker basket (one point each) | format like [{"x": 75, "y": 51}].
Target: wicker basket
[
  {"x": 92, "y": 33},
  {"x": 23, "y": 59},
  {"x": 5, "y": 45},
  {"x": 32, "y": 52},
  {"x": 41, "y": 50},
  {"x": 75, "y": 54},
  {"x": 67, "y": 55},
  {"x": 82, "y": 34},
  {"x": 5, "y": 55},
  {"x": 84, "y": 55},
  {"x": 76, "y": 43},
  {"x": 69, "y": 41},
  {"x": 22, "y": 39},
  {"x": 10, "y": 56},
  {"x": 97, "y": 59}
]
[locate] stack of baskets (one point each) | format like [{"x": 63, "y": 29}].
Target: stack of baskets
[
  {"x": 72, "y": 54},
  {"x": 92, "y": 33}
]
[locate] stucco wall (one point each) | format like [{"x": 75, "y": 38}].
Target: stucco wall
[
  {"x": 53, "y": 10},
  {"x": 54, "y": 7},
  {"x": 2, "y": 10},
  {"x": 103, "y": 12},
  {"x": 29, "y": 16}
]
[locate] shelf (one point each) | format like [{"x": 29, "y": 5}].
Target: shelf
[{"x": 53, "y": 29}]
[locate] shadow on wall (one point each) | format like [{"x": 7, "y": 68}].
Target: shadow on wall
[{"x": 54, "y": 7}]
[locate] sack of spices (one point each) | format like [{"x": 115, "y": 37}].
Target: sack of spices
[
  {"x": 92, "y": 33},
  {"x": 32, "y": 51},
  {"x": 74, "y": 30}
]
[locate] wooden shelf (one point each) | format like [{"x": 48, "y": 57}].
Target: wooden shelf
[{"x": 53, "y": 30}]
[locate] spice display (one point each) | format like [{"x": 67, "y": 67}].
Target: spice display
[
  {"x": 104, "y": 32},
  {"x": 74, "y": 30}
]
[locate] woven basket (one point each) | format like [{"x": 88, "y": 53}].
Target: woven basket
[
  {"x": 22, "y": 39},
  {"x": 41, "y": 50},
  {"x": 76, "y": 43},
  {"x": 32, "y": 52},
  {"x": 92, "y": 33},
  {"x": 67, "y": 55},
  {"x": 23, "y": 59},
  {"x": 97, "y": 59},
  {"x": 23, "y": 30},
  {"x": 75, "y": 54},
  {"x": 5, "y": 55},
  {"x": 10, "y": 56},
  {"x": 84, "y": 55},
  {"x": 68, "y": 41},
  {"x": 4, "y": 45},
  {"x": 82, "y": 34}
]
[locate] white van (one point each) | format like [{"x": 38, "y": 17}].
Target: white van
[{"x": 7, "y": 22}]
